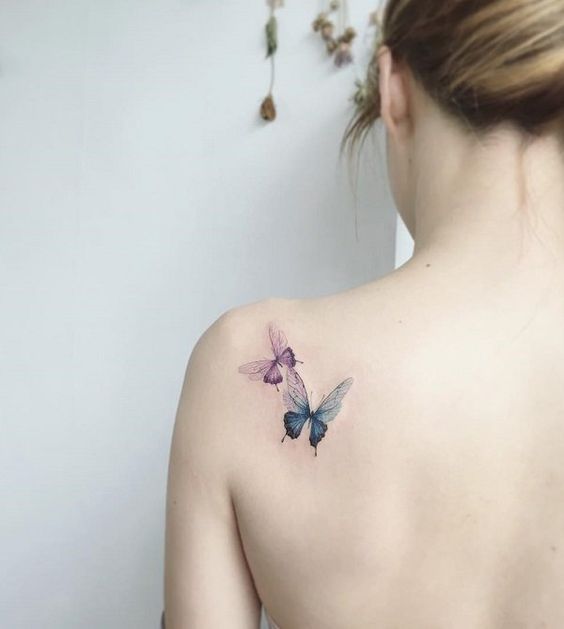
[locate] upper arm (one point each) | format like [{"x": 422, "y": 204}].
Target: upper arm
[{"x": 207, "y": 580}]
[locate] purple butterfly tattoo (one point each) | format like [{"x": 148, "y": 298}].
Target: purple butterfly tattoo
[{"x": 268, "y": 369}]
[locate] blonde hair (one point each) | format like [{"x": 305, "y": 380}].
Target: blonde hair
[{"x": 482, "y": 61}]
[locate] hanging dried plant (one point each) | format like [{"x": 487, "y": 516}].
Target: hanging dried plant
[
  {"x": 367, "y": 89},
  {"x": 361, "y": 93},
  {"x": 271, "y": 36},
  {"x": 267, "y": 109},
  {"x": 341, "y": 45},
  {"x": 343, "y": 55}
]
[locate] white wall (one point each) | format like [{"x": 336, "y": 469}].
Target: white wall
[
  {"x": 140, "y": 197},
  {"x": 404, "y": 243}
]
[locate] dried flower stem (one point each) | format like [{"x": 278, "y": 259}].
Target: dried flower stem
[{"x": 267, "y": 107}]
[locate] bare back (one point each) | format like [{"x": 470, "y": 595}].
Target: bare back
[{"x": 436, "y": 499}]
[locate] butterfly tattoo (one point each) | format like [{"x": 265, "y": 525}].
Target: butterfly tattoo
[
  {"x": 268, "y": 369},
  {"x": 299, "y": 410}
]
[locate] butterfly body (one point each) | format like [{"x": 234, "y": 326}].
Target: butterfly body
[{"x": 299, "y": 410}]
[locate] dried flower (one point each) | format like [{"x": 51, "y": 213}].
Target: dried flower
[
  {"x": 334, "y": 5},
  {"x": 361, "y": 93},
  {"x": 343, "y": 54},
  {"x": 348, "y": 35},
  {"x": 327, "y": 30},
  {"x": 267, "y": 109},
  {"x": 376, "y": 18},
  {"x": 275, "y": 4},
  {"x": 331, "y": 45},
  {"x": 319, "y": 21}
]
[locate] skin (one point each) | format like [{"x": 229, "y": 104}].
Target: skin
[{"x": 437, "y": 496}]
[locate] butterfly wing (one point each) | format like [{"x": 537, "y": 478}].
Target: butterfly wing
[
  {"x": 327, "y": 411},
  {"x": 331, "y": 405},
  {"x": 295, "y": 399},
  {"x": 293, "y": 423},
  {"x": 316, "y": 432},
  {"x": 278, "y": 341},
  {"x": 257, "y": 369},
  {"x": 288, "y": 358},
  {"x": 273, "y": 375},
  {"x": 295, "y": 396}
]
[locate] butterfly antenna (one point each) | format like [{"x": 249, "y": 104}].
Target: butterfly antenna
[
  {"x": 315, "y": 450},
  {"x": 284, "y": 437}
]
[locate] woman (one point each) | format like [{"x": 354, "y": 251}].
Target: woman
[{"x": 409, "y": 471}]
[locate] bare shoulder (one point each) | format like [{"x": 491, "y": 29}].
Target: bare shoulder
[
  {"x": 234, "y": 331},
  {"x": 237, "y": 335},
  {"x": 215, "y": 409},
  {"x": 231, "y": 330}
]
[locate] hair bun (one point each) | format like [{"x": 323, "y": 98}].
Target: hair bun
[{"x": 482, "y": 61}]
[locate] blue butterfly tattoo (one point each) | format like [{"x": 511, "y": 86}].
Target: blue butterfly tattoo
[{"x": 299, "y": 410}]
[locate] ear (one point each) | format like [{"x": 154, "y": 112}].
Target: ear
[{"x": 394, "y": 94}]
